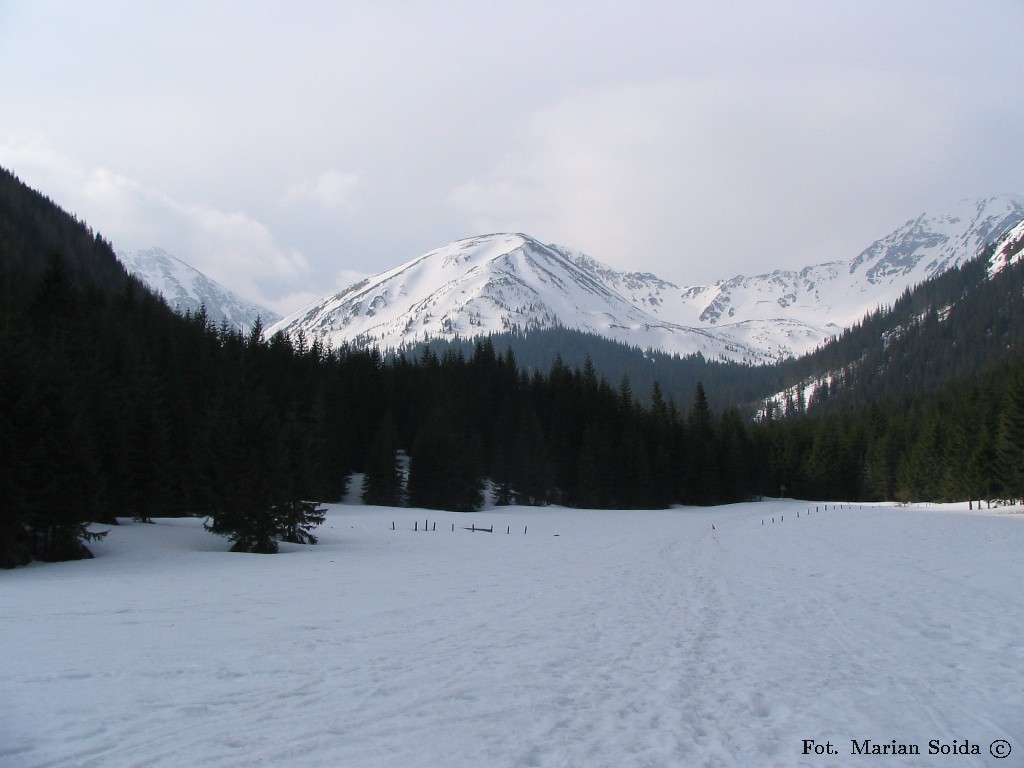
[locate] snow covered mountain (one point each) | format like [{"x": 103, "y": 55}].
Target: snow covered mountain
[
  {"x": 834, "y": 295},
  {"x": 497, "y": 283},
  {"x": 501, "y": 282},
  {"x": 185, "y": 288}
]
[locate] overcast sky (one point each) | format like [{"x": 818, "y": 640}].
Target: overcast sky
[{"x": 285, "y": 149}]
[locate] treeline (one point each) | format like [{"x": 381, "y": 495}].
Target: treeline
[{"x": 726, "y": 383}]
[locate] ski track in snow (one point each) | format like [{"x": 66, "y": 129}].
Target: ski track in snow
[{"x": 627, "y": 639}]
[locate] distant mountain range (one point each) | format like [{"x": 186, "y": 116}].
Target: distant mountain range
[
  {"x": 185, "y": 288},
  {"x": 546, "y": 299},
  {"x": 508, "y": 282},
  {"x": 511, "y": 282}
]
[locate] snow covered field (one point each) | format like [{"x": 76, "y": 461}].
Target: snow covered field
[{"x": 594, "y": 639}]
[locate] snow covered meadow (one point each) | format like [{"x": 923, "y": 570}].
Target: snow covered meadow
[{"x": 595, "y": 638}]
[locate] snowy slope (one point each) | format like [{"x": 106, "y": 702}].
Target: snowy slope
[
  {"x": 594, "y": 639},
  {"x": 834, "y": 295},
  {"x": 1009, "y": 249},
  {"x": 495, "y": 283},
  {"x": 185, "y": 288}
]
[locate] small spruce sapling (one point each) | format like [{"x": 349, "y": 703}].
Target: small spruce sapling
[{"x": 297, "y": 518}]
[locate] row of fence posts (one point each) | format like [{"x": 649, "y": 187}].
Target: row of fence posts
[
  {"x": 782, "y": 518},
  {"x": 474, "y": 528}
]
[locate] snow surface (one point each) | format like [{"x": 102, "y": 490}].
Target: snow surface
[
  {"x": 1007, "y": 251},
  {"x": 595, "y": 638}
]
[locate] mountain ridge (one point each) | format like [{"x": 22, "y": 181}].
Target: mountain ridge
[
  {"x": 511, "y": 281},
  {"x": 493, "y": 283}
]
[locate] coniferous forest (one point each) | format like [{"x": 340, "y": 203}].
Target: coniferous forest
[{"x": 115, "y": 406}]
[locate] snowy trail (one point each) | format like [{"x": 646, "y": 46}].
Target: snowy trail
[{"x": 596, "y": 639}]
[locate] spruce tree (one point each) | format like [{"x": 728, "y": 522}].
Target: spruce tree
[
  {"x": 1010, "y": 440},
  {"x": 444, "y": 467},
  {"x": 702, "y": 467},
  {"x": 383, "y": 481},
  {"x": 594, "y": 470},
  {"x": 249, "y": 474},
  {"x": 503, "y": 462},
  {"x": 16, "y": 424},
  {"x": 297, "y": 519},
  {"x": 532, "y": 474}
]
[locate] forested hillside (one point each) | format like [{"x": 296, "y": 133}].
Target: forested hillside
[
  {"x": 950, "y": 329},
  {"x": 117, "y": 407},
  {"x": 33, "y": 228},
  {"x": 727, "y": 383}
]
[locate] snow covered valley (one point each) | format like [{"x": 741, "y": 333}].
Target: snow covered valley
[{"x": 595, "y": 638}]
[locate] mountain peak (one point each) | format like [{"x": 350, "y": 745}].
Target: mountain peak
[
  {"x": 488, "y": 283},
  {"x": 184, "y": 288}
]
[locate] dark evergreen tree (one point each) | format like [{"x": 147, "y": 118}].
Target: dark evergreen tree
[
  {"x": 502, "y": 466},
  {"x": 658, "y": 425},
  {"x": 736, "y": 454},
  {"x": 1009, "y": 443},
  {"x": 632, "y": 469},
  {"x": 702, "y": 467},
  {"x": 60, "y": 483},
  {"x": 384, "y": 481},
  {"x": 591, "y": 489},
  {"x": 297, "y": 519},
  {"x": 532, "y": 475},
  {"x": 444, "y": 466}
]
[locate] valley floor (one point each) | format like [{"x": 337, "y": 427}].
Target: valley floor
[{"x": 595, "y": 638}]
